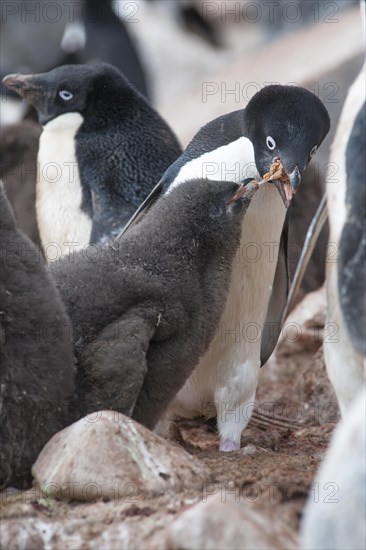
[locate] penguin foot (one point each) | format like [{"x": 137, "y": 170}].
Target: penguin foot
[{"x": 228, "y": 445}]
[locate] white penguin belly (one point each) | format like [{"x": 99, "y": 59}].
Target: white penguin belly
[
  {"x": 225, "y": 380},
  {"x": 346, "y": 368},
  {"x": 63, "y": 226}
]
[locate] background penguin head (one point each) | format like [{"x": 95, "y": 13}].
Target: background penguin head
[
  {"x": 71, "y": 88},
  {"x": 288, "y": 122}
]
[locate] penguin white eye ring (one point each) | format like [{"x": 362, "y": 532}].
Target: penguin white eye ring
[
  {"x": 313, "y": 151},
  {"x": 271, "y": 144},
  {"x": 65, "y": 95}
]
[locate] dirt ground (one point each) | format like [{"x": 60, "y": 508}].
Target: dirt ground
[{"x": 273, "y": 471}]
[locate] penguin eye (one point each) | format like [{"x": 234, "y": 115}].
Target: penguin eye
[
  {"x": 65, "y": 95},
  {"x": 313, "y": 151},
  {"x": 271, "y": 144}
]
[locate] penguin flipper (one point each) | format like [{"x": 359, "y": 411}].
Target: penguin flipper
[
  {"x": 273, "y": 324},
  {"x": 143, "y": 208},
  {"x": 113, "y": 367},
  {"x": 108, "y": 216}
]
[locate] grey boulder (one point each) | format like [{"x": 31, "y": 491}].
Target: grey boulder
[{"x": 108, "y": 456}]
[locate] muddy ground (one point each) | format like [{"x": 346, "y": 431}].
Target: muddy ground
[{"x": 281, "y": 450}]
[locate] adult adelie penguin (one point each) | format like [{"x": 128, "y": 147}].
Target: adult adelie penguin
[
  {"x": 102, "y": 150},
  {"x": 344, "y": 349},
  {"x": 37, "y": 364},
  {"x": 147, "y": 309},
  {"x": 280, "y": 121}
]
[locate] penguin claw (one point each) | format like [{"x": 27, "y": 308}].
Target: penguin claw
[{"x": 228, "y": 445}]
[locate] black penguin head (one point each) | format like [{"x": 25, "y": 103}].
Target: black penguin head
[
  {"x": 70, "y": 89},
  {"x": 288, "y": 122}
]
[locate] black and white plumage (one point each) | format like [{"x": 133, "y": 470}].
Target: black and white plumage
[
  {"x": 145, "y": 311},
  {"x": 280, "y": 121},
  {"x": 102, "y": 149},
  {"x": 37, "y": 364},
  {"x": 346, "y": 288}
]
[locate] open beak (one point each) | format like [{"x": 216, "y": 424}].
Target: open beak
[
  {"x": 288, "y": 188},
  {"x": 245, "y": 191},
  {"x": 24, "y": 86},
  {"x": 287, "y": 184},
  {"x": 285, "y": 190},
  {"x": 295, "y": 179}
]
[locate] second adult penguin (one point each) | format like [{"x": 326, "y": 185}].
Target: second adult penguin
[{"x": 102, "y": 149}]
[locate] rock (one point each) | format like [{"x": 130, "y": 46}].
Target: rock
[
  {"x": 44, "y": 533},
  {"x": 37, "y": 534},
  {"x": 249, "y": 450},
  {"x": 109, "y": 456},
  {"x": 116, "y": 537},
  {"x": 335, "y": 513},
  {"x": 222, "y": 522},
  {"x": 124, "y": 535},
  {"x": 14, "y": 536}
]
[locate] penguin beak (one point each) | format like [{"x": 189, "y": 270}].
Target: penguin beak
[
  {"x": 295, "y": 179},
  {"x": 24, "y": 86},
  {"x": 287, "y": 189},
  {"x": 245, "y": 192}
]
